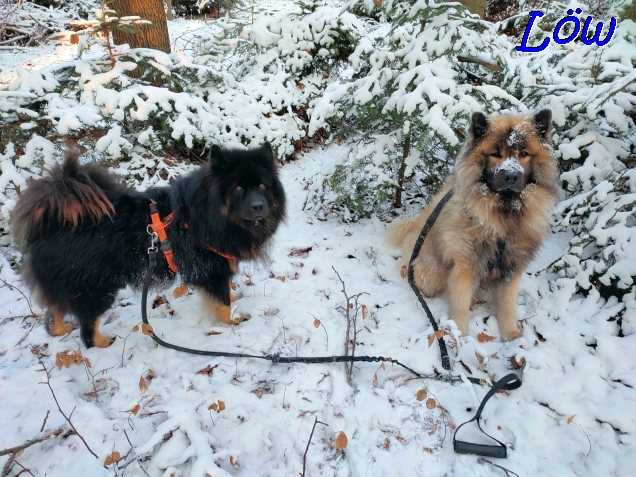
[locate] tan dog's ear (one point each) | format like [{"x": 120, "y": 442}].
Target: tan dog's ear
[
  {"x": 543, "y": 122},
  {"x": 479, "y": 125}
]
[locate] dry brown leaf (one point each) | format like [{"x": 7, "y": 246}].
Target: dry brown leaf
[
  {"x": 142, "y": 384},
  {"x": 365, "y": 311},
  {"x": 383, "y": 366},
  {"x": 517, "y": 364},
  {"x": 181, "y": 290},
  {"x": 134, "y": 410},
  {"x": 571, "y": 418},
  {"x": 428, "y": 449},
  {"x": 387, "y": 444},
  {"x": 247, "y": 280},
  {"x": 431, "y": 339},
  {"x": 282, "y": 279},
  {"x": 452, "y": 426},
  {"x": 375, "y": 380},
  {"x": 484, "y": 338},
  {"x": 135, "y": 328},
  {"x": 151, "y": 374},
  {"x": 207, "y": 370},
  {"x": 432, "y": 431},
  {"x": 146, "y": 329},
  {"x": 421, "y": 395},
  {"x": 350, "y": 305},
  {"x": 158, "y": 301},
  {"x": 301, "y": 86},
  {"x": 439, "y": 334},
  {"x": 404, "y": 271},
  {"x": 430, "y": 403},
  {"x": 316, "y": 323},
  {"x": 212, "y": 332},
  {"x": 234, "y": 462},
  {"x": 400, "y": 438},
  {"x": 111, "y": 459},
  {"x": 217, "y": 406},
  {"x": 87, "y": 362},
  {"x": 341, "y": 441},
  {"x": 258, "y": 392}
]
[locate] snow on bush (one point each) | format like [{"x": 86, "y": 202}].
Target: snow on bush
[
  {"x": 408, "y": 101},
  {"x": 591, "y": 93}
]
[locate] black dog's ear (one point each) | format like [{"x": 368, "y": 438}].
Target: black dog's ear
[
  {"x": 266, "y": 152},
  {"x": 216, "y": 156},
  {"x": 543, "y": 122},
  {"x": 479, "y": 125}
]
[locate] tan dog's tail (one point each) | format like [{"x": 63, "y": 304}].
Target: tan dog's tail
[
  {"x": 72, "y": 192},
  {"x": 399, "y": 232}
]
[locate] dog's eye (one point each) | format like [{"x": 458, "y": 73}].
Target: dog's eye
[
  {"x": 239, "y": 188},
  {"x": 523, "y": 154},
  {"x": 496, "y": 154},
  {"x": 262, "y": 186}
]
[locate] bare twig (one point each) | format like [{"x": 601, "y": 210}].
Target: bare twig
[
  {"x": 490, "y": 66},
  {"x": 21, "y": 293},
  {"x": 27, "y": 334},
  {"x": 24, "y": 469},
  {"x": 309, "y": 442},
  {"x": 7, "y": 467},
  {"x": 350, "y": 343},
  {"x": 48, "y": 383},
  {"x": 507, "y": 471},
  {"x": 29, "y": 443},
  {"x": 45, "y": 418}
]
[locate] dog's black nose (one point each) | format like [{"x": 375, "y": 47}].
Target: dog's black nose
[
  {"x": 257, "y": 206},
  {"x": 510, "y": 178}
]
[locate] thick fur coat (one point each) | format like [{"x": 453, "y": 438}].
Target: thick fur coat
[
  {"x": 83, "y": 233},
  {"x": 504, "y": 188}
]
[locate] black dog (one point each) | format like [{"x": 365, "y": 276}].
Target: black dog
[{"x": 84, "y": 234}]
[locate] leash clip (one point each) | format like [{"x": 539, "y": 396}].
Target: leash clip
[{"x": 153, "y": 239}]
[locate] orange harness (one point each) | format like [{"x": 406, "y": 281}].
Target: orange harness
[{"x": 159, "y": 227}]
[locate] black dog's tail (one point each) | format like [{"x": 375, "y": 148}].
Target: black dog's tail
[{"x": 71, "y": 193}]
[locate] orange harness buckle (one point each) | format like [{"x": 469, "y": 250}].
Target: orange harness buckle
[{"x": 159, "y": 227}]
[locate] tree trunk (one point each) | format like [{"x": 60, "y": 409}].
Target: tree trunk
[
  {"x": 153, "y": 36},
  {"x": 169, "y": 16},
  {"x": 474, "y": 6},
  {"x": 406, "y": 150}
]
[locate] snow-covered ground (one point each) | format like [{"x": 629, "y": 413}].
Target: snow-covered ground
[
  {"x": 160, "y": 411},
  {"x": 573, "y": 416}
]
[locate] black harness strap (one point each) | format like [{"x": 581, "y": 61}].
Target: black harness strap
[{"x": 498, "y": 261}]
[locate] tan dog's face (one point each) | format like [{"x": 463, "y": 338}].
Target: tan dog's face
[{"x": 510, "y": 148}]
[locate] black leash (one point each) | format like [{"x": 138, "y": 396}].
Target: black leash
[
  {"x": 416, "y": 251},
  {"x": 508, "y": 382},
  {"x": 273, "y": 358}
]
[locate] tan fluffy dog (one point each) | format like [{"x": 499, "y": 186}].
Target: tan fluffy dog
[{"x": 504, "y": 188}]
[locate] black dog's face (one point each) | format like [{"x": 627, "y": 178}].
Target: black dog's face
[{"x": 250, "y": 189}]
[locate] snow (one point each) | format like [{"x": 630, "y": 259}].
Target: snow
[
  {"x": 572, "y": 392},
  {"x": 573, "y": 416},
  {"x": 509, "y": 164}
]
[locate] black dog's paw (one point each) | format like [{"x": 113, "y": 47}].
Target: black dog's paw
[{"x": 55, "y": 325}]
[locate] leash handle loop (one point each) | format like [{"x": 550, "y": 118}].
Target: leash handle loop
[{"x": 509, "y": 382}]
